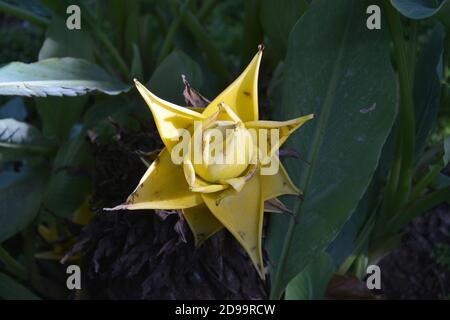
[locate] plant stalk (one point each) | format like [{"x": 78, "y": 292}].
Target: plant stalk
[
  {"x": 417, "y": 207},
  {"x": 361, "y": 240},
  {"x": 425, "y": 181},
  {"x": 392, "y": 184},
  {"x": 406, "y": 114},
  {"x": 101, "y": 37}
]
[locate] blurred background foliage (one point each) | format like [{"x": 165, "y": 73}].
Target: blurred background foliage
[{"x": 378, "y": 153}]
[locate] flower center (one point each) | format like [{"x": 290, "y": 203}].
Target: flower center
[{"x": 226, "y": 152}]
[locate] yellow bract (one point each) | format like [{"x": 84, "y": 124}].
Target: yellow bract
[
  {"x": 212, "y": 196},
  {"x": 242, "y": 95}
]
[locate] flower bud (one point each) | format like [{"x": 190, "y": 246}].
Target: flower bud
[{"x": 227, "y": 149}]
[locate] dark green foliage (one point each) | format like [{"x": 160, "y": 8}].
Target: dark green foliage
[{"x": 374, "y": 158}]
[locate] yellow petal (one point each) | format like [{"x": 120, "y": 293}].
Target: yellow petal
[
  {"x": 242, "y": 94},
  {"x": 202, "y": 223},
  {"x": 48, "y": 234},
  {"x": 83, "y": 214},
  {"x": 242, "y": 214},
  {"x": 229, "y": 111},
  {"x": 285, "y": 129},
  {"x": 197, "y": 184},
  {"x": 239, "y": 182},
  {"x": 278, "y": 184},
  {"x": 168, "y": 116},
  {"x": 162, "y": 187},
  {"x": 201, "y": 186}
]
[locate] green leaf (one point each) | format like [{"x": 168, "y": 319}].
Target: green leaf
[
  {"x": 57, "y": 77},
  {"x": 427, "y": 86},
  {"x": 278, "y": 18},
  {"x": 137, "y": 69},
  {"x": 442, "y": 181},
  {"x": 61, "y": 42},
  {"x": 340, "y": 71},
  {"x": 417, "y": 207},
  {"x": 274, "y": 94},
  {"x": 253, "y": 34},
  {"x": 312, "y": 282},
  {"x": 19, "y": 140},
  {"x": 446, "y": 150},
  {"x": 166, "y": 79},
  {"x": 101, "y": 110},
  {"x": 59, "y": 114},
  {"x": 419, "y": 9},
  {"x": 20, "y": 199},
  {"x": 103, "y": 113},
  {"x": 213, "y": 56},
  {"x": 444, "y": 14},
  {"x": 344, "y": 244},
  {"x": 14, "y": 108},
  {"x": 69, "y": 182},
  {"x": 10, "y": 289},
  {"x": 132, "y": 27}
]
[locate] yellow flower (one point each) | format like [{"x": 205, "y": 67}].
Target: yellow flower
[{"x": 213, "y": 195}]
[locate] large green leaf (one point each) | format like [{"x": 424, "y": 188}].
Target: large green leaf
[
  {"x": 10, "y": 289},
  {"x": 137, "y": 68},
  {"x": 419, "y": 9},
  {"x": 20, "y": 199},
  {"x": 427, "y": 86},
  {"x": 278, "y": 18},
  {"x": 103, "y": 113},
  {"x": 446, "y": 157},
  {"x": 102, "y": 109},
  {"x": 61, "y": 42},
  {"x": 166, "y": 79},
  {"x": 14, "y": 108},
  {"x": 57, "y": 77},
  {"x": 69, "y": 182},
  {"x": 344, "y": 244},
  {"x": 339, "y": 70},
  {"x": 312, "y": 282},
  {"x": 59, "y": 114},
  {"x": 19, "y": 140}
]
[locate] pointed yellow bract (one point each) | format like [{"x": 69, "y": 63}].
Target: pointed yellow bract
[
  {"x": 213, "y": 196},
  {"x": 163, "y": 186},
  {"x": 202, "y": 222},
  {"x": 168, "y": 116},
  {"x": 241, "y": 213},
  {"x": 242, "y": 94},
  {"x": 285, "y": 128},
  {"x": 278, "y": 184}
]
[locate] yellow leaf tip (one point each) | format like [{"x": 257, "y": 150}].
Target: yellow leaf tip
[{"x": 137, "y": 83}]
